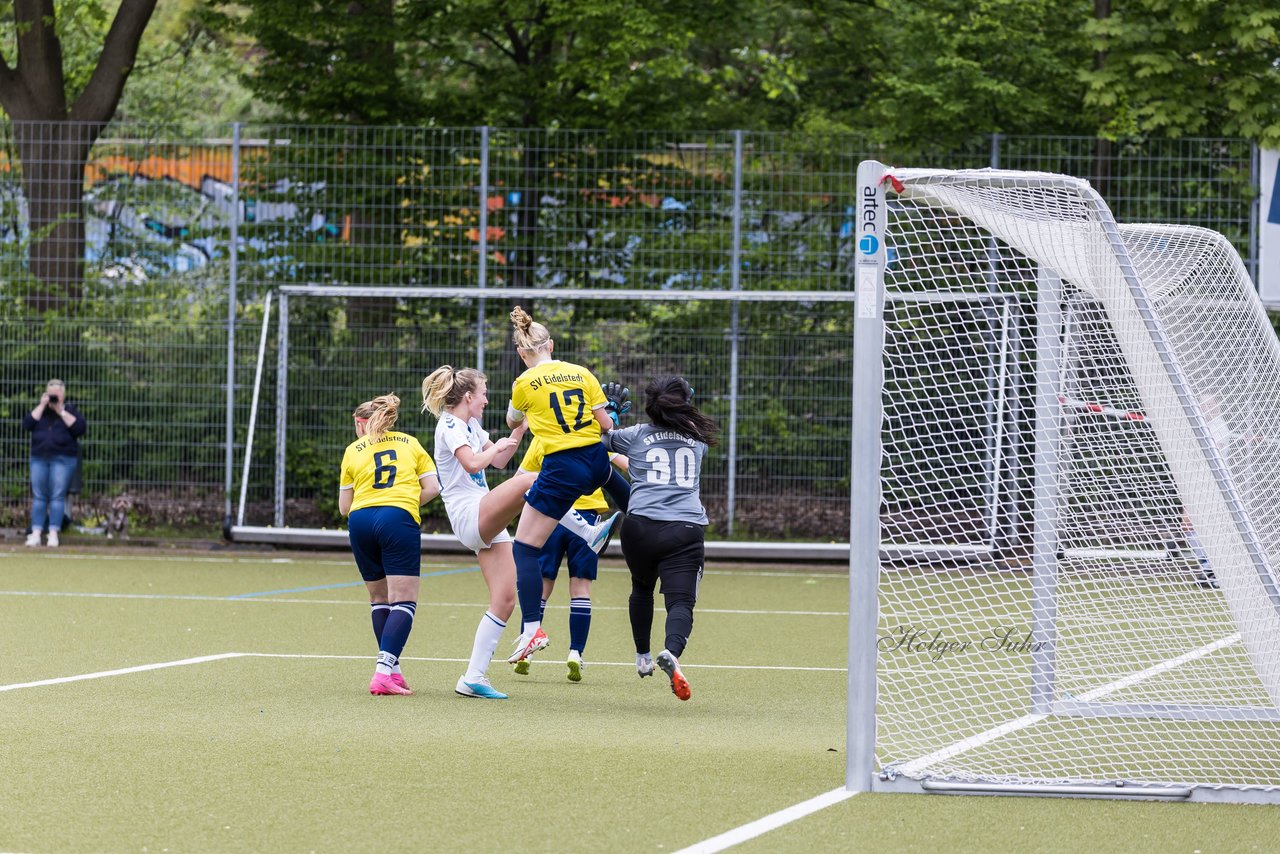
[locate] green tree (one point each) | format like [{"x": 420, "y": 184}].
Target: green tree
[
  {"x": 944, "y": 71},
  {"x": 186, "y": 74},
  {"x": 571, "y": 63},
  {"x": 60, "y": 102},
  {"x": 1188, "y": 67},
  {"x": 519, "y": 65},
  {"x": 327, "y": 61}
]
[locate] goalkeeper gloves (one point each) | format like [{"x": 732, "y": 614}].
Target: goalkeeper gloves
[{"x": 618, "y": 399}]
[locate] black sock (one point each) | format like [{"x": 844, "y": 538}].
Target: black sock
[{"x": 640, "y": 606}]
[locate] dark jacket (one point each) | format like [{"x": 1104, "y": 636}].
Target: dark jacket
[{"x": 50, "y": 437}]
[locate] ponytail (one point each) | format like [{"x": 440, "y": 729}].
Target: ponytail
[
  {"x": 445, "y": 387},
  {"x": 668, "y": 401},
  {"x": 527, "y": 334},
  {"x": 379, "y": 414}
]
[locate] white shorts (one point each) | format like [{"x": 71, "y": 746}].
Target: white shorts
[{"x": 464, "y": 517}]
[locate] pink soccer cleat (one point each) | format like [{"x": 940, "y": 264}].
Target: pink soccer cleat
[
  {"x": 527, "y": 645},
  {"x": 398, "y": 678},
  {"x": 384, "y": 684}
]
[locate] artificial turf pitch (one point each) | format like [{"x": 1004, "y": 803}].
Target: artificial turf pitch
[{"x": 282, "y": 747}]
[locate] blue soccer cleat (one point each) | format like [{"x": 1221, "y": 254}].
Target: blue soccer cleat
[
  {"x": 605, "y": 533},
  {"x": 478, "y": 688}
]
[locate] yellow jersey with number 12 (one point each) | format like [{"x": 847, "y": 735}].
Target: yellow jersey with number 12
[
  {"x": 559, "y": 399},
  {"x": 386, "y": 473}
]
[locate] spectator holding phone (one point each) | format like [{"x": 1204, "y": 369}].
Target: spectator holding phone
[{"x": 56, "y": 427}]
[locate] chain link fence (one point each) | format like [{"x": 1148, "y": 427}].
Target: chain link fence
[{"x": 135, "y": 263}]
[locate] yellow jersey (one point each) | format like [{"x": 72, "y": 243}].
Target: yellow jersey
[
  {"x": 559, "y": 399},
  {"x": 386, "y": 473},
  {"x": 533, "y": 462}
]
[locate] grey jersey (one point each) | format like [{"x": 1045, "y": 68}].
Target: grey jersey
[{"x": 666, "y": 472}]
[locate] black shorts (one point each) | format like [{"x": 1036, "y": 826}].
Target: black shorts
[{"x": 672, "y": 552}]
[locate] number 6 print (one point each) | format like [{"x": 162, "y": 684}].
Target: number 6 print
[{"x": 384, "y": 467}]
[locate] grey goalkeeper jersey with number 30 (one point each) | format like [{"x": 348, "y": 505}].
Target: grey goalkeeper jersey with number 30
[{"x": 666, "y": 472}]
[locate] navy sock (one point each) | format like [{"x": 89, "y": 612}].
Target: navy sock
[
  {"x": 618, "y": 488},
  {"x": 579, "y": 623},
  {"x": 396, "y": 632},
  {"x": 528, "y": 582},
  {"x": 542, "y": 609},
  {"x": 379, "y": 611}
]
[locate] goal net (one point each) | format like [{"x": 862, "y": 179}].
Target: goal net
[{"x": 1117, "y": 628}]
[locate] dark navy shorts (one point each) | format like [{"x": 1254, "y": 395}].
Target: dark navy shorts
[
  {"x": 583, "y": 562},
  {"x": 385, "y": 541},
  {"x": 566, "y": 476}
]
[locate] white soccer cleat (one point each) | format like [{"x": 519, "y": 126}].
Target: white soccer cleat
[
  {"x": 480, "y": 688},
  {"x": 604, "y": 533},
  {"x": 645, "y": 665},
  {"x": 575, "y": 665}
]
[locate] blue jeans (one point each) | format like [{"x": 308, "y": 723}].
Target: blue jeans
[{"x": 50, "y": 478}]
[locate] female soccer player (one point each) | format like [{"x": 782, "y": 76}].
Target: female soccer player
[
  {"x": 584, "y": 565},
  {"x": 386, "y": 476},
  {"x": 479, "y": 516},
  {"x": 565, "y": 407},
  {"x": 663, "y": 535}
]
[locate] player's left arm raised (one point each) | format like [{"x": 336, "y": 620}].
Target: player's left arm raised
[{"x": 599, "y": 404}]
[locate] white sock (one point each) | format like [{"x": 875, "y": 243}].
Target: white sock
[
  {"x": 577, "y": 523},
  {"x": 488, "y": 633}
]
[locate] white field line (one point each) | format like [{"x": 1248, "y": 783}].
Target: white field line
[
  {"x": 770, "y": 822},
  {"x": 360, "y": 601},
  {"x": 102, "y": 674},
  {"x": 161, "y": 665},
  {"x": 919, "y": 766},
  {"x": 62, "y": 556}
]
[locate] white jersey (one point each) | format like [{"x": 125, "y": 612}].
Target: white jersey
[
  {"x": 461, "y": 490},
  {"x": 457, "y": 485}
]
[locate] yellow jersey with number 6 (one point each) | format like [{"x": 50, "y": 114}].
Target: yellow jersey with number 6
[
  {"x": 559, "y": 399},
  {"x": 386, "y": 473}
]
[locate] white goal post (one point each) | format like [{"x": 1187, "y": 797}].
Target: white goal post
[{"x": 1126, "y": 641}]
